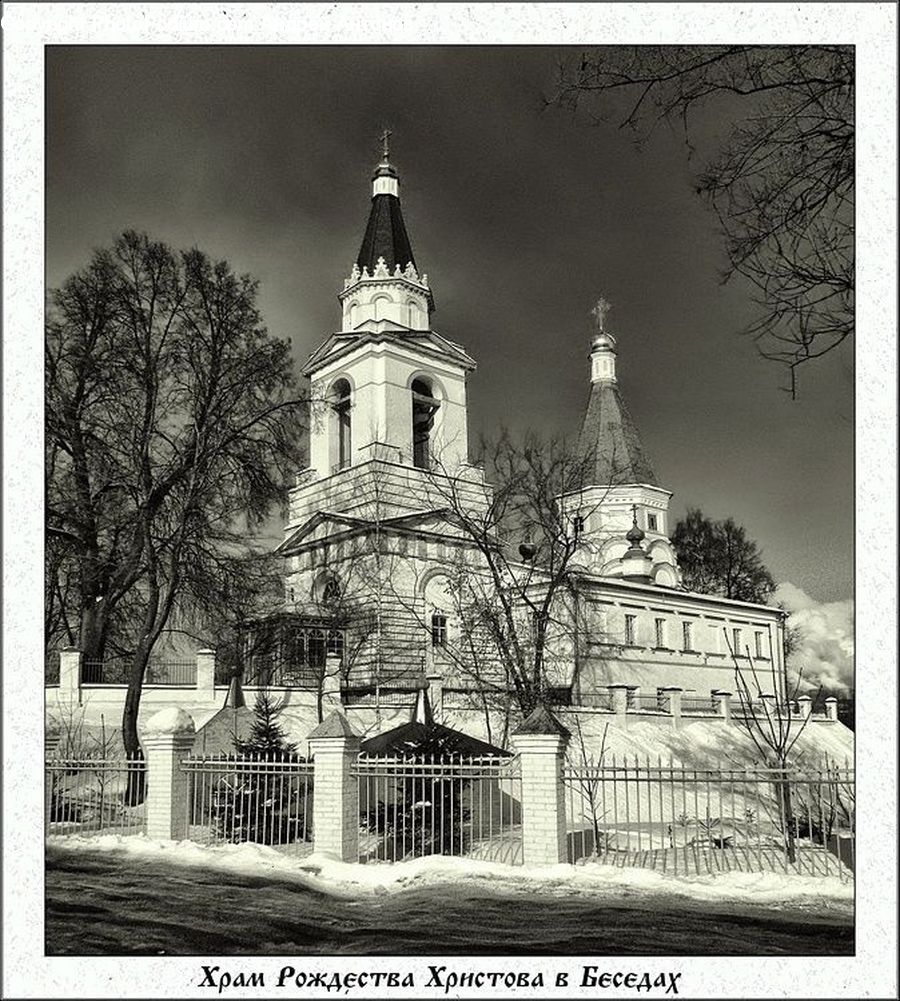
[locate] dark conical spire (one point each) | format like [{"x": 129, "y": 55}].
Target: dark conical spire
[{"x": 386, "y": 235}]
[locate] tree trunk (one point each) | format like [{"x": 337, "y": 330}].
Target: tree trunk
[
  {"x": 92, "y": 631},
  {"x": 786, "y": 813},
  {"x": 137, "y": 780}
]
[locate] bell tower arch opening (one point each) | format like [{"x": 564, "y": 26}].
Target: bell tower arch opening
[
  {"x": 341, "y": 431},
  {"x": 424, "y": 410}
]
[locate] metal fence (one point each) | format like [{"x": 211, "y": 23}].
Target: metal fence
[
  {"x": 95, "y": 795},
  {"x": 114, "y": 671},
  {"x": 439, "y": 805},
  {"x": 689, "y": 820},
  {"x": 237, "y": 798},
  {"x": 180, "y": 673},
  {"x": 656, "y": 703},
  {"x": 698, "y": 705}
]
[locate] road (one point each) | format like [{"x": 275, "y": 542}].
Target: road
[{"x": 115, "y": 904}]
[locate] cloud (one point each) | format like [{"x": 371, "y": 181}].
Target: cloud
[{"x": 824, "y": 648}]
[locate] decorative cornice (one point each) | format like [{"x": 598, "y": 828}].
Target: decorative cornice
[
  {"x": 381, "y": 273},
  {"x": 428, "y": 342}
]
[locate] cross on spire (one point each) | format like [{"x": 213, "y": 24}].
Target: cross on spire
[
  {"x": 385, "y": 139},
  {"x": 600, "y": 311}
]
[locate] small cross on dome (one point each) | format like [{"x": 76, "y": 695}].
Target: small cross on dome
[
  {"x": 600, "y": 311},
  {"x": 385, "y": 139}
]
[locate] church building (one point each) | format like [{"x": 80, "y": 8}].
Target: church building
[{"x": 376, "y": 542}]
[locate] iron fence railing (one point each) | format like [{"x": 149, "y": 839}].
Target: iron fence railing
[
  {"x": 95, "y": 795},
  {"x": 264, "y": 799},
  {"x": 697, "y": 705},
  {"x": 468, "y": 698},
  {"x": 439, "y": 805},
  {"x": 180, "y": 673},
  {"x": 669, "y": 817},
  {"x": 594, "y": 700},
  {"x": 115, "y": 671},
  {"x": 646, "y": 703},
  {"x": 104, "y": 672}
]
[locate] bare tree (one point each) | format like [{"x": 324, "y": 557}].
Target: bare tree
[
  {"x": 774, "y": 730},
  {"x": 525, "y": 536},
  {"x": 588, "y": 783},
  {"x": 173, "y": 423},
  {"x": 782, "y": 181}
]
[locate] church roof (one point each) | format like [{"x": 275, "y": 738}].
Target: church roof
[
  {"x": 610, "y": 438},
  {"x": 423, "y": 734},
  {"x": 437, "y": 739},
  {"x": 385, "y": 236}
]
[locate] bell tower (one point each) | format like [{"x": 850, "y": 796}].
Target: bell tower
[
  {"x": 386, "y": 386},
  {"x": 368, "y": 519}
]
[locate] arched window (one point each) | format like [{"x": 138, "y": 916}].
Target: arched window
[
  {"x": 382, "y": 304},
  {"x": 326, "y": 591},
  {"x": 354, "y": 315},
  {"x": 413, "y": 314},
  {"x": 424, "y": 409},
  {"x": 340, "y": 436},
  {"x": 331, "y": 592},
  {"x": 440, "y": 615}
]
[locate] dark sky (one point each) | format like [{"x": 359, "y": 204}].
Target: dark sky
[{"x": 521, "y": 217}]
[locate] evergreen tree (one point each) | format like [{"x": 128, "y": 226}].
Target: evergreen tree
[
  {"x": 261, "y": 797},
  {"x": 267, "y": 739}
]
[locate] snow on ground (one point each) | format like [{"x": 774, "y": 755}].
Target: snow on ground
[
  {"x": 698, "y": 743},
  {"x": 324, "y": 874}
]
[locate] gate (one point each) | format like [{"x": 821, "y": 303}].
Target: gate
[{"x": 429, "y": 805}]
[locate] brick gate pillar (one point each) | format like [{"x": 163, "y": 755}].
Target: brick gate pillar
[
  {"x": 334, "y": 748},
  {"x": 205, "y": 681},
  {"x": 541, "y": 745},
  {"x": 167, "y": 737}
]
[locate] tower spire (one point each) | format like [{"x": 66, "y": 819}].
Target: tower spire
[
  {"x": 608, "y": 433},
  {"x": 384, "y": 284},
  {"x": 385, "y": 235}
]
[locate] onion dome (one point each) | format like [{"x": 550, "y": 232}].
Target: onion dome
[{"x": 635, "y": 534}]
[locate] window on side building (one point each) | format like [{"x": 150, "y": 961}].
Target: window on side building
[
  {"x": 660, "y": 633},
  {"x": 438, "y": 630},
  {"x": 759, "y": 642}
]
